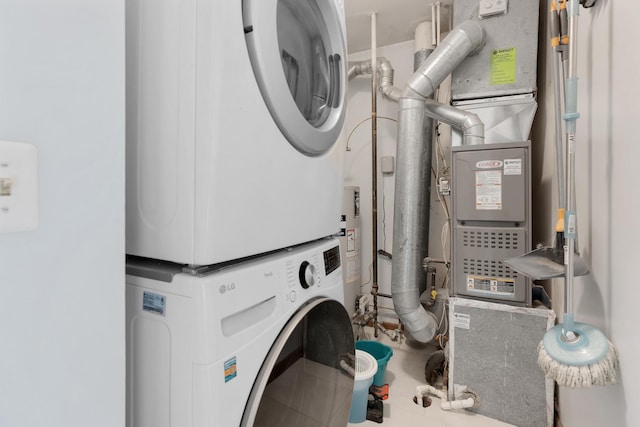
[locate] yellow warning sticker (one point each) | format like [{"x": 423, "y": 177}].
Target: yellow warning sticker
[{"x": 503, "y": 66}]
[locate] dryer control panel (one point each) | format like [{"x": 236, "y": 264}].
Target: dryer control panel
[
  {"x": 314, "y": 268},
  {"x": 331, "y": 260}
]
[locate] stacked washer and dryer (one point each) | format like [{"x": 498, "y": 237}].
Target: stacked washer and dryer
[{"x": 235, "y": 309}]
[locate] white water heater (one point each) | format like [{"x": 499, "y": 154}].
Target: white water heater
[{"x": 350, "y": 244}]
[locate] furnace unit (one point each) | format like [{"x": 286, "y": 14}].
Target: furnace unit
[{"x": 491, "y": 220}]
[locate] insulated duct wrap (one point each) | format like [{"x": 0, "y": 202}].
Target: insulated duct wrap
[{"x": 411, "y": 213}]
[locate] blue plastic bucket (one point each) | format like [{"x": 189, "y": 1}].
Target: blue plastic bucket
[{"x": 382, "y": 353}]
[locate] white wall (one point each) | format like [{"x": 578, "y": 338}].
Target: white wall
[
  {"x": 62, "y": 302},
  {"x": 608, "y": 204}
]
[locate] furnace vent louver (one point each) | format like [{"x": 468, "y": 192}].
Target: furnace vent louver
[
  {"x": 490, "y": 240},
  {"x": 487, "y": 268}
]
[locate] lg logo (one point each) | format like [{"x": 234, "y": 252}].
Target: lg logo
[{"x": 227, "y": 287}]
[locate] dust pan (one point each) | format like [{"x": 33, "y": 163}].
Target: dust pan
[{"x": 545, "y": 263}]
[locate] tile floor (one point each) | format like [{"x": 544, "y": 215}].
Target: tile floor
[{"x": 405, "y": 371}]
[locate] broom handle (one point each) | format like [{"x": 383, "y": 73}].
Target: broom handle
[{"x": 570, "y": 117}]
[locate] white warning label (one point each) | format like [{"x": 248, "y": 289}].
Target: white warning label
[
  {"x": 513, "y": 166},
  {"x": 352, "y": 236},
  {"x": 462, "y": 321},
  {"x": 352, "y": 268},
  {"x": 491, "y": 286},
  {"x": 489, "y": 190}
]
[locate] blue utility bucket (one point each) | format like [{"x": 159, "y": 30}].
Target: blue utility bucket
[{"x": 382, "y": 353}]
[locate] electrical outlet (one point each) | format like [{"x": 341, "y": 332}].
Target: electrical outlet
[{"x": 444, "y": 186}]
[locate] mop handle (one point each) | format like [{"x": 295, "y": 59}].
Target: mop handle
[{"x": 571, "y": 116}]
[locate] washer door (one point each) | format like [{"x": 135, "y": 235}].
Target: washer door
[
  {"x": 301, "y": 382},
  {"x": 297, "y": 50}
]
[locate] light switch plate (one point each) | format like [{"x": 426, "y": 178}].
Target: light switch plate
[
  {"x": 492, "y": 7},
  {"x": 18, "y": 186},
  {"x": 387, "y": 164}
]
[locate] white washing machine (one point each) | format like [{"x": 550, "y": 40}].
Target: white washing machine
[
  {"x": 233, "y": 112},
  {"x": 254, "y": 344}
]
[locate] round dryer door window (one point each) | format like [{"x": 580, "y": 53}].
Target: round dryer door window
[
  {"x": 305, "y": 379},
  {"x": 297, "y": 50}
]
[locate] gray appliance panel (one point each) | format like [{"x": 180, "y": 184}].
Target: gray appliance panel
[
  {"x": 493, "y": 351},
  {"x": 507, "y": 63},
  {"x": 479, "y": 271},
  {"x": 504, "y": 184},
  {"x": 485, "y": 233}
]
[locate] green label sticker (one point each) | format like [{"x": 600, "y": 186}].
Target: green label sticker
[{"x": 503, "y": 66}]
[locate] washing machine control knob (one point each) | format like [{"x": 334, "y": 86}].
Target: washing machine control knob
[{"x": 307, "y": 274}]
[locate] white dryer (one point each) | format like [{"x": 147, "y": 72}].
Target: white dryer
[
  {"x": 233, "y": 112},
  {"x": 254, "y": 344}
]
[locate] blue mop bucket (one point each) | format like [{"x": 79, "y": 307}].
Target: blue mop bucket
[{"x": 382, "y": 353}]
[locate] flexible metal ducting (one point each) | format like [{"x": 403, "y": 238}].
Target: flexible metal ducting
[
  {"x": 424, "y": 43},
  {"x": 385, "y": 70},
  {"x": 410, "y": 195}
]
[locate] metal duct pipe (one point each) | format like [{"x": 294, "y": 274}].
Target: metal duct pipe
[
  {"x": 463, "y": 40},
  {"x": 386, "y": 80},
  {"x": 410, "y": 219},
  {"x": 384, "y": 69},
  {"x": 410, "y": 194},
  {"x": 468, "y": 123},
  {"x": 423, "y": 47},
  {"x": 358, "y": 69}
]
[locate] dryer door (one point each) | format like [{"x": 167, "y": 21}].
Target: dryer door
[
  {"x": 297, "y": 50},
  {"x": 302, "y": 381}
]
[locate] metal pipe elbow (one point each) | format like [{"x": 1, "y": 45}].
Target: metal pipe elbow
[
  {"x": 472, "y": 129},
  {"x": 421, "y": 324},
  {"x": 386, "y": 80},
  {"x": 385, "y": 72}
]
